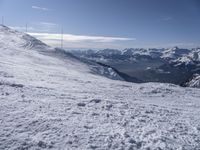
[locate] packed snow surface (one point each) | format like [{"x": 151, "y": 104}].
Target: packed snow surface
[{"x": 51, "y": 102}]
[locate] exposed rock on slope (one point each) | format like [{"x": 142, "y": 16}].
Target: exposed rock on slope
[{"x": 194, "y": 82}]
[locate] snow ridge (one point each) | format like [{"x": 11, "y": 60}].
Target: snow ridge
[{"x": 13, "y": 38}]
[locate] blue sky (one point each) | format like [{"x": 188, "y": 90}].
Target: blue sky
[{"x": 107, "y": 23}]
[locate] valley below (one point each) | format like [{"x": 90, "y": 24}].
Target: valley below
[{"x": 175, "y": 65}]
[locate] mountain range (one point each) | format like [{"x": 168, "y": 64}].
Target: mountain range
[{"x": 174, "y": 65}]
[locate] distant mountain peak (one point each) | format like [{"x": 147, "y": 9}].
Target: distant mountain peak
[{"x": 175, "y": 48}]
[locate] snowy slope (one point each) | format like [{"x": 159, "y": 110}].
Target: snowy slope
[
  {"x": 51, "y": 102},
  {"x": 19, "y": 40},
  {"x": 13, "y": 39}
]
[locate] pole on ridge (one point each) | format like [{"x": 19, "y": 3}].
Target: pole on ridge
[
  {"x": 61, "y": 37},
  {"x": 26, "y": 27}
]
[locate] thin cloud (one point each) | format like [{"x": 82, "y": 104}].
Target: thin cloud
[
  {"x": 30, "y": 29},
  {"x": 80, "y": 38},
  {"x": 45, "y": 26},
  {"x": 37, "y": 27},
  {"x": 48, "y": 24},
  {"x": 83, "y": 41},
  {"x": 167, "y": 19},
  {"x": 40, "y": 8}
]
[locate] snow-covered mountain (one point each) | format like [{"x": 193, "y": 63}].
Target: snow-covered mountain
[
  {"x": 19, "y": 40},
  {"x": 174, "y": 65},
  {"x": 51, "y": 100},
  {"x": 15, "y": 39},
  {"x": 174, "y": 54}
]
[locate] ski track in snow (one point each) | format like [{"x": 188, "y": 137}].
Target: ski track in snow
[{"x": 50, "y": 103}]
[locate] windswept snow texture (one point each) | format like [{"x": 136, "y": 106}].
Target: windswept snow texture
[
  {"x": 19, "y": 40},
  {"x": 49, "y": 102}
]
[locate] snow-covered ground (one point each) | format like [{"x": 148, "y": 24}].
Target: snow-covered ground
[{"x": 49, "y": 102}]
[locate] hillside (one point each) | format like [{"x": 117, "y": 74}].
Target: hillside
[{"x": 51, "y": 100}]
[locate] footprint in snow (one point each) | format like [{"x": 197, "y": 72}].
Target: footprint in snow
[
  {"x": 88, "y": 127},
  {"x": 96, "y": 100},
  {"x": 109, "y": 106},
  {"x": 81, "y": 104}
]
